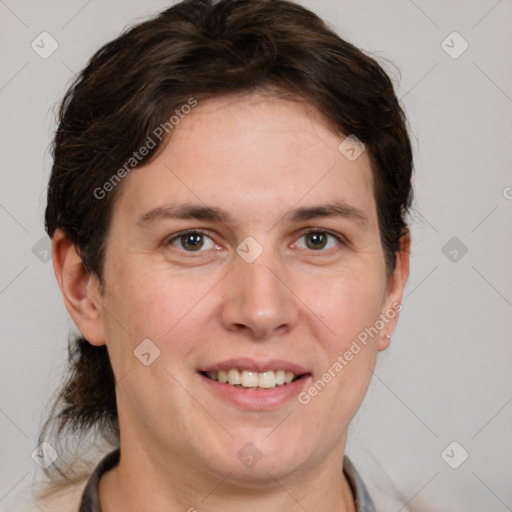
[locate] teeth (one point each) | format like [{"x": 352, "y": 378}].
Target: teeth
[
  {"x": 267, "y": 380},
  {"x": 233, "y": 377},
  {"x": 280, "y": 377},
  {"x": 250, "y": 379}
]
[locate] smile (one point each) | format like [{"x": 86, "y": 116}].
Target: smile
[
  {"x": 255, "y": 385},
  {"x": 251, "y": 379}
]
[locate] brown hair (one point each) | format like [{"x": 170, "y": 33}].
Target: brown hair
[{"x": 202, "y": 49}]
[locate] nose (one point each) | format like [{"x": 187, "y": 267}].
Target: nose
[{"x": 258, "y": 300}]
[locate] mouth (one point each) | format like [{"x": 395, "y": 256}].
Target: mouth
[
  {"x": 255, "y": 385},
  {"x": 253, "y": 380}
]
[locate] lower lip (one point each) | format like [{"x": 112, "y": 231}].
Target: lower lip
[{"x": 257, "y": 399}]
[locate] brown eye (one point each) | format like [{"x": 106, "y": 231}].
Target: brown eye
[
  {"x": 192, "y": 241},
  {"x": 319, "y": 240},
  {"x": 316, "y": 240}
]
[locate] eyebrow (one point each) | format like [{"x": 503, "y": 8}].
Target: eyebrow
[{"x": 340, "y": 209}]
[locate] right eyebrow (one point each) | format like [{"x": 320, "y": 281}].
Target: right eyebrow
[{"x": 183, "y": 211}]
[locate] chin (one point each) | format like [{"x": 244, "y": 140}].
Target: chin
[{"x": 260, "y": 458}]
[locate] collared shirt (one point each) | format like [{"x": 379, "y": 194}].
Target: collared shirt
[{"x": 90, "y": 501}]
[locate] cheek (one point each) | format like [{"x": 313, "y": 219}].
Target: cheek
[
  {"x": 157, "y": 302},
  {"x": 348, "y": 303},
  {"x": 350, "y": 306}
]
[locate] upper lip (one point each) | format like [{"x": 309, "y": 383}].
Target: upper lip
[{"x": 244, "y": 363}]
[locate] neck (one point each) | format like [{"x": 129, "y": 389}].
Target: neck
[{"x": 138, "y": 483}]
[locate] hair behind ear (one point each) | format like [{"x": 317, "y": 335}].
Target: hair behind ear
[{"x": 87, "y": 399}]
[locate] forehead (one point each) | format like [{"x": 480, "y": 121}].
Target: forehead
[{"x": 254, "y": 154}]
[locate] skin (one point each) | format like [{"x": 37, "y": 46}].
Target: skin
[{"x": 256, "y": 157}]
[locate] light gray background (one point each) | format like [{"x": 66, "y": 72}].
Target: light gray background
[{"x": 447, "y": 375}]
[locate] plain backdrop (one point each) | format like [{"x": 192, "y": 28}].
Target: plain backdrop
[{"x": 447, "y": 375}]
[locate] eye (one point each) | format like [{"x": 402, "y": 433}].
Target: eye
[
  {"x": 191, "y": 241},
  {"x": 319, "y": 240}
]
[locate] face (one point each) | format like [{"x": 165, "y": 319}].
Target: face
[{"x": 247, "y": 249}]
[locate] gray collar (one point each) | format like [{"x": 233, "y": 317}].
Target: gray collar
[{"x": 90, "y": 502}]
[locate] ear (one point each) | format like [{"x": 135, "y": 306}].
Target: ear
[
  {"x": 392, "y": 304},
  {"x": 80, "y": 289}
]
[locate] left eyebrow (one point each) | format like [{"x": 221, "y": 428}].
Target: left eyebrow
[{"x": 338, "y": 208}]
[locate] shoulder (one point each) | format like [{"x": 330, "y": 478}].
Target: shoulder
[
  {"x": 65, "y": 493},
  {"x": 65, "y": 499}
]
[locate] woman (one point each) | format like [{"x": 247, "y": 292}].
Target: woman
[{"x": 227, "y": 209}]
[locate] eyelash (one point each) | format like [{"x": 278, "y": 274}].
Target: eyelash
[{"x": 339, "y": 238}]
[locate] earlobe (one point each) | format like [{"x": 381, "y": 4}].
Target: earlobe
[
  {"x": 384, "y": 341},
  {"x": 395, "y": 290},
  {"x": 80, "y": 289}
]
